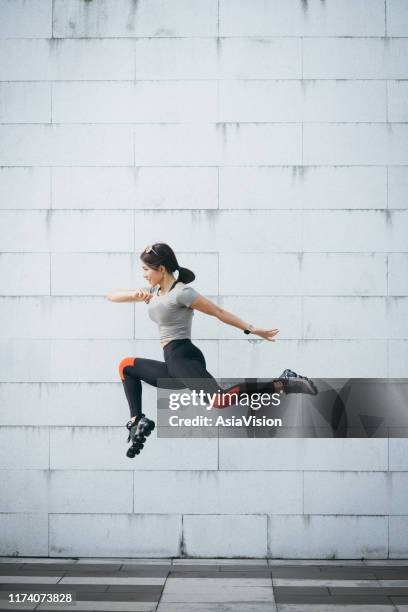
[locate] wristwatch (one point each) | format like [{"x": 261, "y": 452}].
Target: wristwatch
[{"x": 249, "y": 329}]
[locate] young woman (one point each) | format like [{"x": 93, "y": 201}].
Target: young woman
[{"x": 171, "y": 304}]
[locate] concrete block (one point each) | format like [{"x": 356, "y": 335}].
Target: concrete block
[
  {"x": 350, "y": 318},
  {"x": 120, "y": 535},
  {"x": 256, "y": 232},
  {"x": 398, "y": 537},
  {"x": 222, "y": 144},
  {"x": 24, "y": 448},
  {"x": 175, "y": 145},
  {"x": 259, "y": 58},
  {"x": 397, "y": 227},
  {"x": 318, "y": 454},
  {"x": 24, "y": 490},
  {"x": 343, "y": 358},
  {"x": 185, "y": 188},
  {"x": 227, "y": 535},
  {"x": 236, "y": 58},
  {"x": 329, "y": 144},
  {"x": 25, "y": 274},
  {"x": 141, "y": 102},
  {"x": 317, "y": 101},
  {"x": 339, "y": 493},
  {"x": 67, "y": 60},
  {"x": 67, "y": 231},
  {"x": 280, "y": 18},
  {"x": 178, "y": 59},
  {"x": 308, "y": 274},
  {"x": 315, "y": 537},
  {"x": 15, "y": 354},
  {"x": 397, "y": 18},
  {"x": 398, "y": 358},
  {"x": 20, "y": 19},
  {"x": 135, "y": 188},
  {"x": 104, "y": 448},
  {"x": 24, "y": 230},
  {"x": 25, "y": 102},
  {"x": 315, "y": 358},
  {"x": 93, "y": 274},
  {"x": 78, "y": 491},
  {"x": 83, "y": 491},
  {"x": 210, "y": 231},
  {"x": 397, "y": 187},
  {"x": 98, "y": 274},
  {"x": 63, "y": 403},
  {"x": 397, "y": 273},
  {"x": 343, "y": 274},
  {"x": 262, "y": 101},
  {"x": 355, "y": 58},
  {"x": 24, "y": 534},
  {"x": 215, "y": 492},
  {"x": 235, "y": 266},
  {"x": 303, "y": 187},
  {"x": 79, "y": 360},
  {"x": 126, "y": 18},
  {"x": 59, "y": 145},
  {"x": 398, "y": 484},
  {"x": 64, "y": 317},
  {"x": 340, "y": 231},
  {"x": 397, "y": 317},
  {"x": 260, "y": 144},
  {"x": 397, "y": 101},
  {"x": 398, "y": 456},
  {"x": 25, "y": 188}
]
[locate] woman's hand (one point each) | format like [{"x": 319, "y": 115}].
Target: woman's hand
[
  {"x": 267, "y": 334},
  {"x": 142, "y": 295}
]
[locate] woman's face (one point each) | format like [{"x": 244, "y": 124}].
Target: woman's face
[{"x": 153, "y": 277}]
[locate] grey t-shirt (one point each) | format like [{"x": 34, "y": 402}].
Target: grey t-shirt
[{"x": 172, "y": 312}]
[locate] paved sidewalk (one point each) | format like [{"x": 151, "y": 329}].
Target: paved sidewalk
[{"x": 208, "y": 585}]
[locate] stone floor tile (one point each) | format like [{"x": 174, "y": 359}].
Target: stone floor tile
[
  {"x": 333, "y": 608},
  {"x": 134, "y": 580},
  {"x": 217, "y": 607},
  {"x": 29, "y": 579},
  {"x": 281, "y": 582},
  {"x": 111, "y": 606}
]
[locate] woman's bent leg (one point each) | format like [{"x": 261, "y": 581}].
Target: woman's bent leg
[{"x": 133, "y": 370}]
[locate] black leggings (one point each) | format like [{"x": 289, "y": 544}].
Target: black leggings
[{"x": 183, "y": 361}]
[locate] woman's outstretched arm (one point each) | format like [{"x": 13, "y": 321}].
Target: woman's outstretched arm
[
  {"x": 133, "y": 295},
  {"x": 208, "y": 307}
]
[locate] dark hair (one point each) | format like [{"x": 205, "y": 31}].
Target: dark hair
[{"x": 160, "y": 254}]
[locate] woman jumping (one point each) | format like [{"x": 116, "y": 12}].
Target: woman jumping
[{"x": 171, "y": 304}]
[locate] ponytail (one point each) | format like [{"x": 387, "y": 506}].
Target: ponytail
[{"x": 185, "y": 275}]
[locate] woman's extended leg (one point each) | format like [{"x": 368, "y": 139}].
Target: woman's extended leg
[{"x": 187, "y": 363}]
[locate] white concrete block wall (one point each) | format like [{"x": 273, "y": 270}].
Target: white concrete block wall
[{"x": 267, "y": 142}]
